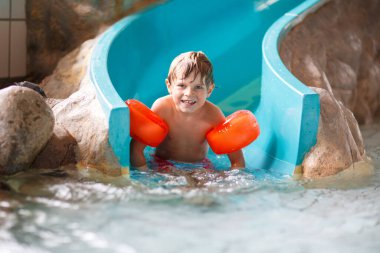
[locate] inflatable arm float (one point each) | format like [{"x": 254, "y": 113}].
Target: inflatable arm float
[{"x": 236, "y": 132}]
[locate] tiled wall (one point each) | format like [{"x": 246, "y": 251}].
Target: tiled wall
[{"x": 12, "y": 39}]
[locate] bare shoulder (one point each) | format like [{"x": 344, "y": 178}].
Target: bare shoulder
[
  {"x": 214, "y": 113},
  {"x": 162, "y": 105}
]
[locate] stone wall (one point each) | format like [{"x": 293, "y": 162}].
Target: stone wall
[
  {"x": 57, "y": 27},
  {"x": 337, "y": 48},
  {"x": 59, "y": 49}
]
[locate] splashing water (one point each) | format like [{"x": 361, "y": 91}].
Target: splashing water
[{"x": 70, "y": 210}]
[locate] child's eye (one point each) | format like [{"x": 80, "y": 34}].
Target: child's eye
[
  {"x": 180, "y": 85},
  {"x": 199, "y": 87}
]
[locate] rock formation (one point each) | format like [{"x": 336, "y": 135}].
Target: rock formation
[
  {"x": 56, "y": 31},
  {"x": 339, "y": 143},
  {"x": 26, "y": 124},
  {"x": 82, "y": 118},
  {"x": 70, "y": 70},
  {"x": 81, "y": 131},
  {"x": 337, "y": 49},
  {"x": 56, "y": 28},
  {"x": 80, "y": 134}
]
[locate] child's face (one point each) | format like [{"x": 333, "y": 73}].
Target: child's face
[{"x": 189, "y": 94}]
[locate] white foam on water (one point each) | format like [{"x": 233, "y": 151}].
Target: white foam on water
[{"x": 229, "y": 211}]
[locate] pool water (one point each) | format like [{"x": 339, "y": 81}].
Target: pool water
[{"x": 70, "y": 210}]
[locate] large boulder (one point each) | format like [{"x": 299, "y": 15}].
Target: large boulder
[{"x": 26, "y": 124}]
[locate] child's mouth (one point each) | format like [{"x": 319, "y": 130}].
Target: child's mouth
[{"x": 189, "y": 102}]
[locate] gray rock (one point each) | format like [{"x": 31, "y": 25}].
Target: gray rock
[{"x": 26, "y": 124}]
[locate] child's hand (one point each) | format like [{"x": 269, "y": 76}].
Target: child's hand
[
  {"x": 143, "y": 168},
  {"x": 237, "y": 167},
  {"x": 237, "y": 160}
]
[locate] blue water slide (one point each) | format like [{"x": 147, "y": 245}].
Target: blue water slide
[{"x": 241, "y": 38}]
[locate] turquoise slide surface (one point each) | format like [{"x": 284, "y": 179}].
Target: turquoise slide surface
[{"x": 241, "y": 38}]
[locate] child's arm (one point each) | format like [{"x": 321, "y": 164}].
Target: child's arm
[
  {"x": 137, "y": 157},
  {"x": 237, "y": 160}
]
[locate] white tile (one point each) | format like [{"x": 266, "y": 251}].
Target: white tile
[
  {"x": 18, "y": 9},
  {"x": 4, "y": 8},
  {"x": 4, "y": 49},
  {"x": 18, "y": 49}
]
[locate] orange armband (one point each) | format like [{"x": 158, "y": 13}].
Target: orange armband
[
  {"x": 236, "y": 132},
  {"x": 146, "y": 126}
]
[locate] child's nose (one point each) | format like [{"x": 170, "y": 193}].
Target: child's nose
[{"x": 188, "y": 91}]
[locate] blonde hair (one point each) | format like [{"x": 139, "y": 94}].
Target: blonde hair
[{"x": 186, "y": 63}]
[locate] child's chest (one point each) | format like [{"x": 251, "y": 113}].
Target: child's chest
[{"x": 192, "y": 128}]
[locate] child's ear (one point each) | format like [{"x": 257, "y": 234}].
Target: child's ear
[
  {"x": 210, "y": 89},
  {"x": 168, "y": 85}
]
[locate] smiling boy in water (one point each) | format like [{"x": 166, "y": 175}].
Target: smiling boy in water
[{"x": 188, "y": 114}]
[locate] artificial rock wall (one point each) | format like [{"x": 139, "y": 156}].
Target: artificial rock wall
[
  {"x": 55, "y": 28},
  {"x": 337, "y": 48},
  {"x": 336, "y": 51}
]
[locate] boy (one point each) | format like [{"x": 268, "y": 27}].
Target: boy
[{"x": 188, "y": 114}]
